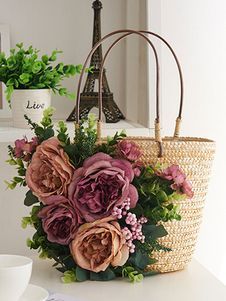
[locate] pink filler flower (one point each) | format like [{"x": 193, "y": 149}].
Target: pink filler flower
[{"x": 175, "y": 174}]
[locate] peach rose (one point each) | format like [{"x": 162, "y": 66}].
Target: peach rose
[
  {"x": 50, "y": 171},
  {"x": 99, "y": 244}
]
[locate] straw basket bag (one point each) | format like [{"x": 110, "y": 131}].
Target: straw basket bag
[{"x": 193, "y": 155}]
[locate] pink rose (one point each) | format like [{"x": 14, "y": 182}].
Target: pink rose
[
  {"x": 59, "y": 220},
  {"x": 187, "y": 189},
  {"x": 50, "y": 171},
  {"x": 24, "y": 148},
  {"x": 99, "y": 244},
  {"x": 180, "y": 183},
  {"x": 100, "y": 185},
  {"x": 137, "y": 167},
  {"x": 129, "y": 150}
]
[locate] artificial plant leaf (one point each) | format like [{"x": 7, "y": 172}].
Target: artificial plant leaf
[
  {"x": 30, "y": 199},
  {"x": 141, "y": 260},
  {"x": 162, "y": 196},
  {"x": 48, "y": 133},
  {"x": 107, "y": 275},
  {"x": 81, "y": 274},
  {"x": 154, "y": 231}
]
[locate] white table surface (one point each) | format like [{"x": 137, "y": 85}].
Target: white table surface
[{"x": 194, "y": 283}]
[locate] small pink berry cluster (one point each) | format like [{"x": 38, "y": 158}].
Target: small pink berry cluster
[
  {"x": 118, "y": 212},
  {"x": 135, "y": 231}
]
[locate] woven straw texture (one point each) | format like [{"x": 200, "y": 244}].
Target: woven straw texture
[{"x": 194, "y": 156}]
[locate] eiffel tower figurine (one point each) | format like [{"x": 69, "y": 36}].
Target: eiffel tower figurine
[{"x": 89, "y": 98}]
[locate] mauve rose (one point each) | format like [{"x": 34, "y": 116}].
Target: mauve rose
[
  {"x": 50, "y": 171},
  {"x": 100, "y": 185},
  {"x": 24, "y": 148},
  {"x": 129, "y": 150},
  {"x": 175, "y": 174},
  {"x": 59, "y": 220},
  {"x": 99, "y": 244},
  {"x": 187, "y": 189},
  {"x": 137, "y": 167}
]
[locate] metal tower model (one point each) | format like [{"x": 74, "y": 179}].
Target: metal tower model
[{"x": 89, "y": 97}]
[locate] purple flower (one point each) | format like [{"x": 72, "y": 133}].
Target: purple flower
[
  {"x": 59, "y": 220},
  {"x": 129, "y": 150},
  {"x": 180, "y": 183},
  {"x": 24, "y": 149},
  {"x": 137, "y": 166},
  {"x": 100, "y": 185}
]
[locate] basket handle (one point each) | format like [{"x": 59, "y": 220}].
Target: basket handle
[
  {"x": 157, "y": 120},
  {"x": 127, "y": 31}
]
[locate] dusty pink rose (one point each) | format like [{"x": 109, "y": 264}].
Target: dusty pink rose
[
  {"x": 99, "y": 244},
  {"x": 129, "y": 150},
  {"x": 100, "y": 185},
  {"x": 187, "y": 189},
  {"x": 24, "y": 148},
  {"x": 50, "y": 171},
  {"x": 137, "y": 167},
  {"x": 175, "y": 174},
  {"x": 59, "y": 220}
]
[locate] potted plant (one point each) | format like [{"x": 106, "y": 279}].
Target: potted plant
[{"x": 29, "y": 80}]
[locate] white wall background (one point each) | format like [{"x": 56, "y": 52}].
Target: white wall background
[
  {"x": 197, "y": 31},
  {"x": 67, "y": 25}
]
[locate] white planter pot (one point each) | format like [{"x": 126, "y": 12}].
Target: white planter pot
[{"x": 31, "y": 103}]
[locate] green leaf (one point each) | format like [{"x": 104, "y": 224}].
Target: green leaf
[
  {"x": 140, "y": 260},
  {"x": 69, "y": 277},
  {"x": 48, "y": 133},
  {"x": 19, "y": 45},
  {"x": 45, "y": 59},
  {"x": 37, "y": 66},
  {"x": 26, "y": 221},
  {"x": 30, "y": 199},
  {"x": 62, "y": 91},
  {"x": 39, "y": 131},
  {"x": 162, "y": 196},
  {"x": 81, "y": 274},
  {"x": 24, "y": 78},
  {"x": 103, "y": 276},
  {"x": 154, "y": 231}
]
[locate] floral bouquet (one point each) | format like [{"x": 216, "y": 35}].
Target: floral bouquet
[{"x": 97, "y": 210}]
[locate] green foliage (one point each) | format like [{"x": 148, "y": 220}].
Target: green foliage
[
  {"x": 156, "y": 197},
  {"x": 110, "y": 145},
  {"x": 25, "y": 69},
  {"x": 45, "y": 130},
  {"x": 154, "y": 231},
  {"x": 84, "y": 144},
  {"x": 63, "y": 135},
  {"x": 132, "y": 274},
  {"x": 81, "y": 274},
  {"x": 106, "y": 275},
  {"x": 21, "y": 170},
  {"x": 69, "y": 277},
  {"x": 30, "y": 199}
]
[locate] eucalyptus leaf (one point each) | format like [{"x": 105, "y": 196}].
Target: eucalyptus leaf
[
  {"x": 81, "y": 274},
  {"x": 30, "y": 199},
  {"x": 107, "y": 275},
  {"x": 154, "y": 231}
]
